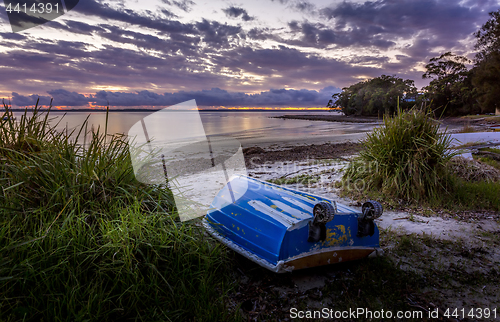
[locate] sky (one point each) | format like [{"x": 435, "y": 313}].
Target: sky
[{"x": 260, "y": 53}]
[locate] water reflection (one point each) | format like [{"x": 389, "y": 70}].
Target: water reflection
[{"x": 247, "y": 127}]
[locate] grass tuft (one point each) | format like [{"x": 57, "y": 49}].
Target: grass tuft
[{"x": 406, "y": 158}]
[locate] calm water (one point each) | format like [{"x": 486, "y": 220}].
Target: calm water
[{"x": 250, "y": 128}]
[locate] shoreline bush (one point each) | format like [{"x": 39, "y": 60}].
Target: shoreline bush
[{"x": 408, "y": 159}]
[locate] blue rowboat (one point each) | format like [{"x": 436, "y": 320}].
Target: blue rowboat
[{"x": 283, "y": 229}]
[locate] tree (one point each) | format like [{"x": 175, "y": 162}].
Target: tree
[
  {"x": 451, "y": 89},
  {"x": 374, "y": 97},
  {"x": 487, "y": 82},
  {"x": 487, "y": 71},
  {"x": 488, "y": 37}
]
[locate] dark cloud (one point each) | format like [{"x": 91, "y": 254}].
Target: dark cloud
[
  {"x": 60, "y": 97},
  {"x": 66, "y": 98},
  {"x": 237, "y": 12},
  {"x": 168, "y": 13},
  {"x": 211, "y": 32},
  {"x": 448, "y": 21},
  {"x": 184, "y": 5},
  {"x": 13, "y": 36},
  {"x": 215, "y": 33},
  {"x": 31, "y": 100},
  {"x": 176, "y": 42},
  {"x": 292, "y": 67},
  {"x": 212, "y": 97},
  {"x": 104, "y": 11},
  {"x": 319, "y": 35},
  {"x": 259, "y": 34},
  {"x": 20, "y": 20},
  {"x": 81, "y": 27},
  {"x": 304, "y": 6}
]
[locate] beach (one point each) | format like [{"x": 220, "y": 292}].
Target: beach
[
  {"x": 433, "y": 258},
  {"x": 448, "y": 251}
]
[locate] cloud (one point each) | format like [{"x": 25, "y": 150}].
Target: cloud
[
  {"x": 213, "y": 32},
  {"x": 446, "y": 20},
  {"x": 31, "y": 100},
  {"x": 13, "y": 36},
  {"x": 184, "y": 5},
  {"x": 304, "y": 6},
  {"x": 320, "y": 35},
  {"x": 81, "y": 27},
  {"x": 104, "y": 11},
  {"x": 213, "y": 97},
  {"x": 298, "y": 5},
  {"x": 176, "y": 42},
  {"x": 160, "y": 52},
  {"x": 237, "y": 12},
  {"x": 20, "y": 20},
  {"x": 66, "y": 98},
  {"x": 170, "y": 64},
  {"x": 292, "y": 67}
]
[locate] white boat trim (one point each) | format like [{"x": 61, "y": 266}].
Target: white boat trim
[{"x": 280, "y": 217}]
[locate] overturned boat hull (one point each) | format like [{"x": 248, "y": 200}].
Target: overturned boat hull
[{"x": 276, "y": 226}]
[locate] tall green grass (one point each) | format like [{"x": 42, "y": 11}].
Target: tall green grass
[
  {"x": 405, "y": 158},
  {"x": 82, "y": 240}
]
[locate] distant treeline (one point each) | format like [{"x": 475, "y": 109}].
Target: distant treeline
[
  {"x": 454, "y": 89},
  {"x": 157, "y": 109}
]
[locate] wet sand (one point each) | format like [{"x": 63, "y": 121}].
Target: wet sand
[
  {"x": 334, "y": 118},
  {"x": 256, "y": 156}
]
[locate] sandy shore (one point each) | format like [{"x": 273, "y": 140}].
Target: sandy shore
[{"x": 334, "y": 118}]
